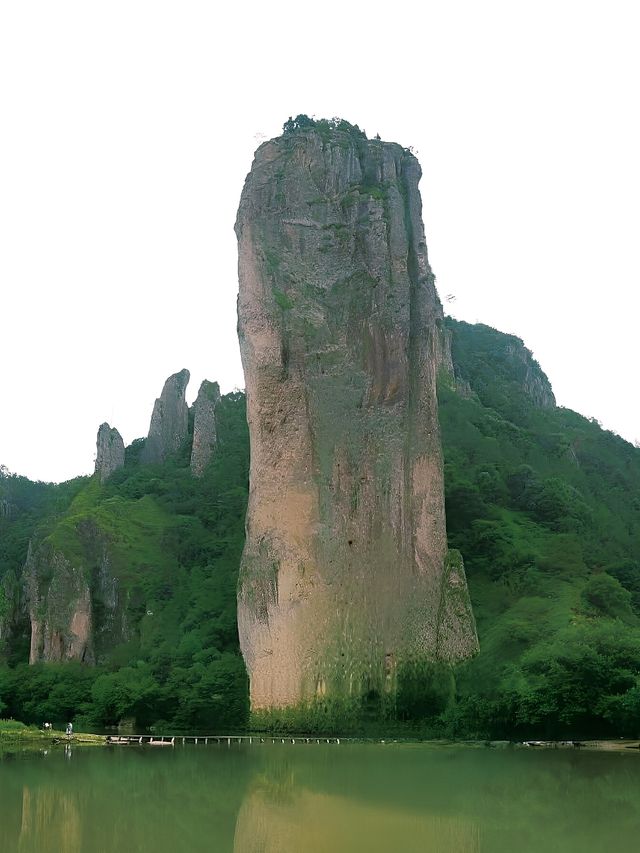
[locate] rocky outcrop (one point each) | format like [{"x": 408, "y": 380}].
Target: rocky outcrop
[
  {"x": 59, "y": 604},
  {"x": 170, "y": 420},
  {"x": 532, "y": 379},
  {"x": 205, "y": 434},
  {"x": 345, "y": 578},
  {"x": 496, "y": 367},
  {"x": 73, "y": 597},
  {"x": 109, "y": 451}
]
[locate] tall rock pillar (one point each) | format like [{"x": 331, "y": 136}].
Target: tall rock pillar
[
  {"x": 109, "y": 451},
  {"x": 205, "y": 431},
  {"x": 169, "y": 420},
  {"x": 345, "y": 576}
]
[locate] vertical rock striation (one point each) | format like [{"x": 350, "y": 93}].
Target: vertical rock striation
[
  {"x": 205, "y": 435},
  {"x": 109, "y": 451},
  {"x": 345, "y": 579},
  {"x": 73, "y": 598},
  {"x": 59, "y": 605},
  {"x": 169, "y": 421}
]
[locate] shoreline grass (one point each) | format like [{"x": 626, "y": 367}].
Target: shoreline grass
[{"x": 16, "y": 734}]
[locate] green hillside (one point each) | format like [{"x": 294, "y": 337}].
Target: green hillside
[
  {"x": 545, "y": 507},
  {"x": 174, "y": 544},
  {"x": 543, "y": 504}
]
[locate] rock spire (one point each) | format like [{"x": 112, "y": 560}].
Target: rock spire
[
  {"x": 109, "y": 451},
  {"x": 205, "y": 434},
  {"x": 346, "y": 583},
  {"x": 170, "y": 420}
]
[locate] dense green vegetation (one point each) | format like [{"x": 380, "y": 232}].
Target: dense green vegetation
[
  {"x": 174, "y": 544},
  {"x": 545, "y": 507},
  {"x": 24, "y": 506},
  {"x": 543, "y": 504},
  {"x": 324, "y": 126}
]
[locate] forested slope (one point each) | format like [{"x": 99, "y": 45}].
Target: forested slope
[
  {"x": 543, "y": 504},
  {"x": 545, "y": 507},
  {"x": 174, "y": 544}
]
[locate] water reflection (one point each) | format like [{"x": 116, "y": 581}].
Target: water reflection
[
  {"x": 316, "y": 798},
  {"x": 269, "y": 822},
  {"x": 50, "y": 821}
]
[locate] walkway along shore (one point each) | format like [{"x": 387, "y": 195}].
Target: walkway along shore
[
  {"x": 205, "y": 740},
  {"x": 29, "y": 737}
]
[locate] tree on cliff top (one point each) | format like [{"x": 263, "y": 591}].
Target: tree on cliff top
[{"x": 324, "y": 125}]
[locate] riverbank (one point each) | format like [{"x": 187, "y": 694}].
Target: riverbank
[
  {"x": 17, "y": 735},
  {"x": 14, "y": 734}
]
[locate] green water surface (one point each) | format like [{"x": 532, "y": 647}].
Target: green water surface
[{"x": 318, "y": 798}]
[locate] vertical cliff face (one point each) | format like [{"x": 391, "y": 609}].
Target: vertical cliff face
[
  {"x": 59, "y": 603},
  {"x": 74, "y": 599},
  {"x": 169, "y": 420},
  {"x": 109, "y": 451},
  {"x": 205, "y": 434},
  {"x": 345, "y": 578}
]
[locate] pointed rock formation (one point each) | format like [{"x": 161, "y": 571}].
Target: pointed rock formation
[
  {"x": 205, "y": 435},
  {"x": 109, "y": 451},
  {"x": 346, "y": 584},
  {"x": 169, "y": 421}
]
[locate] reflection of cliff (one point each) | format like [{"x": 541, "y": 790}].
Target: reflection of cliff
[
  {"x": 50, "y": 822},
  {"x": 272, "y": 820}
]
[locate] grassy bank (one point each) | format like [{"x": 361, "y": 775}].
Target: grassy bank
[{"x": 15, "y": 734}]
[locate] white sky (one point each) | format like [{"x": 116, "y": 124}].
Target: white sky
[{"x": 128, "y": 128}]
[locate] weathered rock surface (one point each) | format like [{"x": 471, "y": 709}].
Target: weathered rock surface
[
  {"x": 109, "y": 451},
  {"x": 59, "y": 604},
  {"x": 75, "y": 605},
  {"x": 205, "y": 434},
  {"x": 169, "y": 421},
  {"x": 534, "y": 381},
  {"x": 345, "y": 577}
]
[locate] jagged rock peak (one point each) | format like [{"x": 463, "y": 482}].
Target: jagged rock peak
[
  {"x": 109, "y": 451},
  {"x": 345, "y": 578},
  {"x": 205, "y": 433},
  {"x": 169, "y": 421}
]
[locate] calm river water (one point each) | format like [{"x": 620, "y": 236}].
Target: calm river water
[{"x": 274, "y": 798}]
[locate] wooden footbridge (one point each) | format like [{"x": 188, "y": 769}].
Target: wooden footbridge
[{"x": 205, "y": 740}]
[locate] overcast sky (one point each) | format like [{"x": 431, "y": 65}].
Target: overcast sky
[{"x": 128, "y": 129}]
